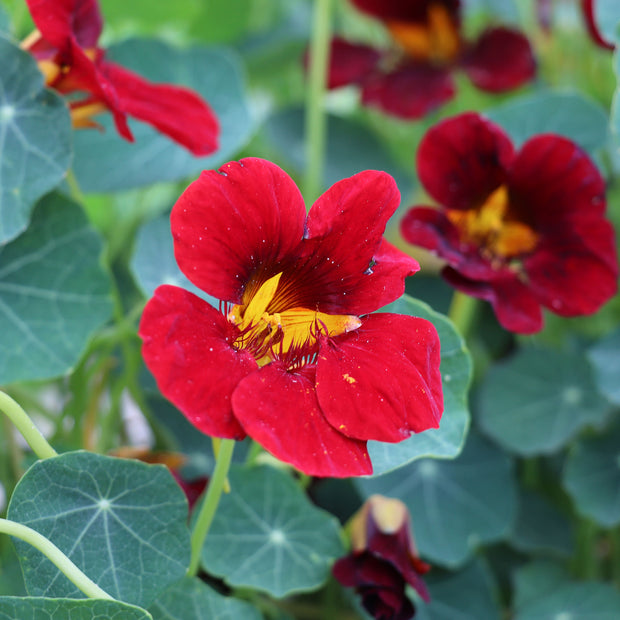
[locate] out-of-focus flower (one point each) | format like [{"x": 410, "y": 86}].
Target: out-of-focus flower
[
  {"x": 383, "y": 560},
  {"x": 66, "y": 49},
  {"x": 293, "y": 358},
  {"x": 589, "y": 16},
  {"x": 522, "y": 230},
  {"x": 414, "y": 76}
]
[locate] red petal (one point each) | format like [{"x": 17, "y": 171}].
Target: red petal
[
  {"x": 353, "y": 214},
  {"x": 410, "y": 92},
  {"x": 405, "y": 10},
  {"x": 381, "y": 381},
  {"x": 587, "y": 8},
  {"x": 461, "y": 160},
  {"x": 515, "y": 305},
  {"x": 350, "y": 62},
  {"x": 576, "y": 272},
  {"x": 500, "y": 60},
  {"x": 187, "y": 345},
  {"x": 280, "y": 411},
  {"x": 552, "y": 179},
  {"x": 230, "y": 223},
  {"x": 176, "y": 112}
]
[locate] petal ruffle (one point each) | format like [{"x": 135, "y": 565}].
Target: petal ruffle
[
  {"x": 351, "y": 214},
  {"x": 176, "y": 112},
  {"x": 350, "y": 62},
  {"x": 229, "y": 224},
  {"x": 515, "y": 305},
  {"x": 462, "y": 159},
  {"x": 280, "y": 411},
  {"x": 500, "y": 60},
  {"x": 187, "y": 345},
  {"x": 411, "y": 92},
  {"x": 381, "y": 381}
]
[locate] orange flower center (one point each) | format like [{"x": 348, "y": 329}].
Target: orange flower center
[
  {"x": 272, "y": 327},
  {"x": 436, "y": 41},
  {"x": 491, "y": 227}
]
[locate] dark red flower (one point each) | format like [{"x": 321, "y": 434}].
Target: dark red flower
[
  {"x": 520, "y": 229},
  {"x": 383, "y": 560},
  {"x": 589, "y": 15},
  {"x": 414, "y": 76},
  {"x": 65, "y": 47},
  {"x": 291, "y": 359}
]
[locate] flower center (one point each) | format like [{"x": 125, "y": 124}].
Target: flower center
[
  {"x": 271, "y": 327},
  {"x": 491, "y": 228},
  {"x": 436, "y": 41}
]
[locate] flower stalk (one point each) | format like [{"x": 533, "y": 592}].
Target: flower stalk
[{"x": 462, "y": 312}]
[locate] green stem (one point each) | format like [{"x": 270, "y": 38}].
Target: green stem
[
  {"x": 316, "y": 121},
  {"x": 26, "y": 427},
  {"x": 74, "y": 187},
  {"x": 209, "y": 506},
  {"x": 462, "y": 312},
  {"x": 586, "y": 561},
  {"x": 53, "y": 553}
]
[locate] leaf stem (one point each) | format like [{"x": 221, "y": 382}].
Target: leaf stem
[
  {"x": 463, "y": 311},
  {"x": 210, "y": 503},
  {"x": 26, "y": 427},
  {"x": 53, "y": 553},
  {"x": 316, "y": 122}
]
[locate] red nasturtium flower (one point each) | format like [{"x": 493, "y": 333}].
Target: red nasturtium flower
[
  {"x": 65, "y": 47},
  {"x": 383, "y": 559},
  {"x": 292, "y": 357},
  {"x": 414, "y": 76},
  {"x": 588, "y": 8},
  {"x": 522, "y": 230}
]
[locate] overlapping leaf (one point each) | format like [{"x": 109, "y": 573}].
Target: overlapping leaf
[{"x": 39, "y": 608}]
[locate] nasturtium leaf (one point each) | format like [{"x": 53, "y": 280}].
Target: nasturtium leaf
[
  {"x": 539, "y": 399},
  {"x": 153, "y": 261},
  {"x": 123, "y": 522},
  {"x": 468, "y": 594},
  {"x": 351, "y": 148},
  {"x": 455, "y": 505},
  {"x": 568, "y": 114},
  {"x": 105, "y": 162},
  {"x": 592, "y": 477},
  {"x": 192, "y": 599},
  {"x": 582, "y": 601},
  {"x": 38, "y": 608},
  {"x": 605, "y": 359},
  {"x": 541, "y": 527},
  {"x": 5, "y": 22},
  {"x": 536, "y": 580},
  {"x": 266, "y": 535},
  {"x": 54, "y": 293},
  {"x": 607, "y": 17},
  {"x": 35, "y": 139},
  {"x": 456, "y": 369}
]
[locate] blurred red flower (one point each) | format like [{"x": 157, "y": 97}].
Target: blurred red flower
[
  {"x": 414, "y": 76},
  {"x": 519, "y": 229},
  {"x": 383, "y": 560},
  {"x": 588, "y": 9},
  {"x": 288, "y": 359},
  {"x": 65, "y": 47}
]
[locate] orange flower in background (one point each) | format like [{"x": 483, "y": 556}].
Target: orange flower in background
[{"x": 65, "y": 46}]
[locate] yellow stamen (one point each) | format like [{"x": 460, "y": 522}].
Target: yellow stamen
[
  {"x": 436, "y": 41},
  {"x": 490, "y": 227},
  {"x": 32, "y": 39}
]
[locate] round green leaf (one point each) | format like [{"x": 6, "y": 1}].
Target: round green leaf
[
  {"x": 36, "y": 608},
  {"x": 267, "y": 535},
  {"x": 35, "y": 139},
  {"x": 539, "y": 399},
  {"x": 191, "y": 599},
  {"x": 574, "y": 601},
  {"x": 536, "y": 580},
  {"x": 592, "y": 477},
  {"x": 568, "y": 114},
  {"x": 53, "y": 293},
  {"x": 467, "y": 595},
  {"x": 105, "y": 162},
  {"x": 123, "y": 522},
  {"x": 456, "y": 369},
  {"x": 605, "y": 359},
  {"x": 455, "y": 505},
  {"x": 541, "y": 527}
]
